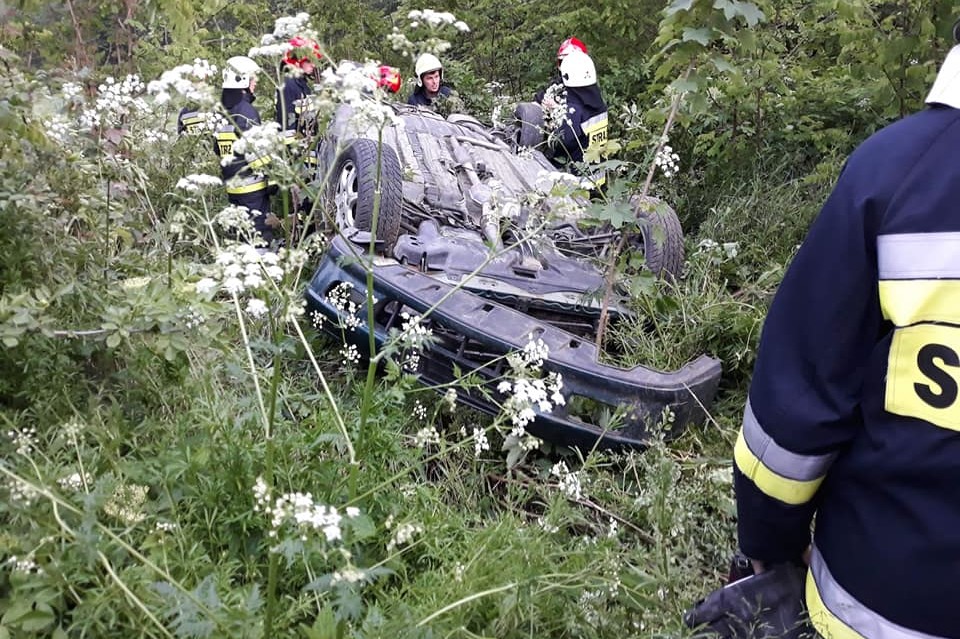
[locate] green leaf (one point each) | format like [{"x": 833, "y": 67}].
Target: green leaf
[
  {"x": 113, "y": 340},
  {"x": 722, "y": 64},
  {"x": 679, "y": 5},
  {"x": 751, "y": 13},
  {"x": 702, "y": 35}
]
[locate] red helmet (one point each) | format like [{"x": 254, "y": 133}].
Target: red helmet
[
  {"x": 568, "y": 45},
  {"x": 389, "y": 78},
  {"x": 302, "y": 50}
]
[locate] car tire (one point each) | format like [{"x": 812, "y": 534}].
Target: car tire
[
  {"x": 662, "y": 236},
  {"x": 529, "y": 124},
  {"x": 352, "y": 190}
]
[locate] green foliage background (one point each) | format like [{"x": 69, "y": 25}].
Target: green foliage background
[{"x": 776, "y": 95}]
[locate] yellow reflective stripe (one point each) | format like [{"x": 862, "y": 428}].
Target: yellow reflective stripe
[
  {"x": 824, "y": 621},
  {"x": 789, "y": 491},
  {"x": 906, "y": 302},
  {"x": 923, "y": 374},
  {"x": 837, "y": 614},
  {"x": 259, "y": 185},
  {"x": 259, "y": 162}
]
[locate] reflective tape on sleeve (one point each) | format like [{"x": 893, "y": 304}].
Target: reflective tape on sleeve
[
  {"x": 913, "y": 256},
  {"x": 789, "y": 477},
  {"x": 837, "y": 614},
  {"x": 251, "y": 185}
]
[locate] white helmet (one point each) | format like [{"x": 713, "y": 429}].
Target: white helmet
[
  {"x": 577, "y": 70},
  {"x": 426, "y": 63},
  {"x": 238, "y": 71}
]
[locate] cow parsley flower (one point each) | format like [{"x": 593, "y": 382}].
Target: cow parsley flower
[
  {"x": 568, "y": 482},
  {"x": 24, "y": 439},
  {"x": 126, "y": 503},
  {"x": 403, "y": 535},
  {"x": 667, "y": 161},
  {"x": 426, "y": 436},
  {"x": 350, "y": 354},
  {"x": 256, "y": 307},
  {"x": 198, "y": 182},
  {"x": 75, "y": 481},
  {"x": 480, "y": 441}
]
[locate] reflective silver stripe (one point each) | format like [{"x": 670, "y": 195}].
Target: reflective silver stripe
[
  {"x": 911, "y": 256},
  {"x": 778, "y": 459},
  {"x": 842, "y": 605}
]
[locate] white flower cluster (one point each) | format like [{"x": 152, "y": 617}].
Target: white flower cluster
[
  {"x": 186, "y": 80},
  {"x": 419, "y": 410},
  {"x": 525, "y": 393},
  {"x": 426, "y": 436},
  {"x": 534, "y": 353},
  {"x": 350, "y": 354},
  {"x": 73, "y": 429},
  {"x": 20, "y": 493},
  {"x": 198, "y": 182},
  {"x": 59, "y": 130},
  {"x": 413, "y": 338},
  {"x": 165, "y": 527},
  {"x": 554, "y": 105},
  {"x": 568, "y": 482},
  {"x": 236, "y": 218},
  {"x": 25, "y": 565},
  {"x": 71, "y": 90},
  {"x": 300, "y": 512},
  {"x": 285, "y": 27},
  {"x": 241, "y": 268},
  {"x": 75, "y": 481},
  {"x": 480, "y": 441},
  {"x": 258, "y": 142},
  {"x": 729, "y": 249},
  {"x": 436, "y": 19},
  {"x": 667, "y": 160},
  {"x": 341, "y": 298},
  {"x": 434, "y": 22},
  {"x": 403, "y": 535},
  {"x": 126, "y": 503},
  {"x": 115, "y": 100},
  {"x": 356, "y": 84},
  {"x": 24, "y": 439},
  {"x": 450, "y": 399},
  {"x": 348, "y": 575}
]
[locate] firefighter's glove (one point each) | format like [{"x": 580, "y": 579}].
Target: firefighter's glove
[{"x": 764, "y": 606}]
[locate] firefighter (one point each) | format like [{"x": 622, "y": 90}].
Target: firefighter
[
  {"x": 545, "y": 96},
  {"x": 300, "y": 62},
  {"x": 244, "y": 184},
  {"x": 430, "y": 86},
  {"x": 585, "y": 124},
  {"x": 853, "y": 413}
]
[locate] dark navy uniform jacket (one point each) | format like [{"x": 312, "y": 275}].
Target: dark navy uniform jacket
[
  {"x": 289, "y": 101},
  {"x": 419, "y": 96},
  {"x": 854, "y": 407}
]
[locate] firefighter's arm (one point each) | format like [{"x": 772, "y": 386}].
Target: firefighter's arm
[{"x": 803, "y": 401}]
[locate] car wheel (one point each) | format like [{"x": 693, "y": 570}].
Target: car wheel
[
  {"x": 529, "y": 124},
  {"x": 353, "y": 186},
  {"x": 662, "y": 236}
]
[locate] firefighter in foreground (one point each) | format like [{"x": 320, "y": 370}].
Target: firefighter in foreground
[
  {"x": 245, "y": 185},
  {"x": 853, "y": 413}
]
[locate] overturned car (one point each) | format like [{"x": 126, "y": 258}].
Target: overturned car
[{"x": 477, "y": 237}]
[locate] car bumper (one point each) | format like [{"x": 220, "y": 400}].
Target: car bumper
[{"x": 474, "y": 332}]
